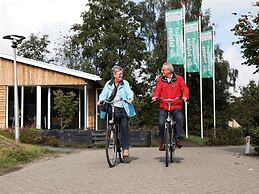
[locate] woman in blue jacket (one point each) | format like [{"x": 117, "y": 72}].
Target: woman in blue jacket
[{"x": 123, "y": 104}]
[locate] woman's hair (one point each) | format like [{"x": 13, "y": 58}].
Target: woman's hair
[
  {"x": 115, "y": 69},
  {"x": 170, "y": 67}
]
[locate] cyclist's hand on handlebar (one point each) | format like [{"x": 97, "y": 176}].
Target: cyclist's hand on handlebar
[
  {"x": 154, "y": 98},
  {"x": 99, "y": 103},
  {"x": 185, "y": 99}
]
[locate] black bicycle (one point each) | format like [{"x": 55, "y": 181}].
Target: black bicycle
[
  {"x": 113, "y": 147},
  {"x": 169, "y": 135}
]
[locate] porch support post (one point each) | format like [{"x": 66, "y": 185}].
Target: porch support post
[
  {"x": 7, "y": 107},
  {"x": 96, "y": 109},
  {"x": 38, "y": 107},
  {"x": 49, "y": 108},
  {"x": 22, "y": 106},
  {"x": 79, "y": 109},
  {"x": 85, "y": 107}
]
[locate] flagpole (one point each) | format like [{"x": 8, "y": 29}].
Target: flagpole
[
  {"x": 185, "y": 66},
  {"x": 200, "y": 61},
  {"x": 214, "y": 89}
]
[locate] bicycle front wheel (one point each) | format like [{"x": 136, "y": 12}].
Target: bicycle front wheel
[
  {"x": 172, "y": 145},
  {"x": 111, "y": 146},
  {"x": 166, "y": 138}
]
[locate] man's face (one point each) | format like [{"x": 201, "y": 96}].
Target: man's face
[{"x": 165, "y": 71}]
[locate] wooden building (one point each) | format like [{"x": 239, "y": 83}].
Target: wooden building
[{"x": 36, "y": 83}]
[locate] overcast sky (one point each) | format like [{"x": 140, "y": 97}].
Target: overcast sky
[{"x": 55, "y": 17}]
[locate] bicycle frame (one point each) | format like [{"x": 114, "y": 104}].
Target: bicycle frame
[
  {"x": 169, "y": 139},
  {"x": 113, "y": 146}
]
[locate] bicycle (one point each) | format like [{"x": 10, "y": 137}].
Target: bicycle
[
  {"x": 169, "y": 136},
  {"x": 113, "y": 147}
]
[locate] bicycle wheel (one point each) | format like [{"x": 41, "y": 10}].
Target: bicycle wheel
[
  {"x": 111, "y": 146},
  {"x": 166, "y": 138},
  {"x": 172, "y": 145}
]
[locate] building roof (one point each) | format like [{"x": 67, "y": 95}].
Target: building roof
[{"x": 52, "y": 67}]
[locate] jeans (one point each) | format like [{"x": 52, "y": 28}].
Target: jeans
[
  {"x": 178, "y": 117},
  {"x": 122, "y": 119}
]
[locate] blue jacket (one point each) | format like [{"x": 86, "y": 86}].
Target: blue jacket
[{"x": 125, "y": 93}]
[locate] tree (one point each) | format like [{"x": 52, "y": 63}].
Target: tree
[
  {"x": 110, "y": 36},
  {"x": 65, "y": 106},
  {"x": 35, "y": 48},
  {"x": 68, "y": 53},
  {"x": 246, "y": 107},
  {"x": 248, "y": 31}
]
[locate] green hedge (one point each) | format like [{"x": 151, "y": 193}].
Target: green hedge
[
  {"x": 31, "y": 136},
  {"x": 227, "y": 136},
  {"x": 254, "y": 133}
]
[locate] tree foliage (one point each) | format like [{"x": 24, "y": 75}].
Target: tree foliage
[
  {"x": 247, "y": 29},
  {"x": 246, "y": 107},
  {"x": 109, "y": 36},
  {"x": 65, "y": 106},
  {"x": 35, "y": 48}
]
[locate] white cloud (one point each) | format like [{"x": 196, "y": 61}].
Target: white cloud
[{"x": 45, "y": 16}]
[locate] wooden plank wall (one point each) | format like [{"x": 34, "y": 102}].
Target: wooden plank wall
[
  {"x": 91, "y": 106},
  {"x": 30, "y": 75},
  {"x": 2, "y": 106}
]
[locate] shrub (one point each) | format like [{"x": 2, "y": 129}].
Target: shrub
[
  {"x": 31, "y": 136},
  {"x": 254, "y": 133},
  {"x": 226, "y": 136}
]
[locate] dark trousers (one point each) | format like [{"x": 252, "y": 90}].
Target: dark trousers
[
  {"x": 122, "y": 119},
  {"x": 178, "y": 117}
]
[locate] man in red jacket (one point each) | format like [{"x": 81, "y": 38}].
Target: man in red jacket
[{"x": 170, "y": 85}]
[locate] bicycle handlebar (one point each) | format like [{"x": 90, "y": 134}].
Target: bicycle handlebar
[
  {"x": 170, "y": 99},
  {"x": 113, "y": 101}
]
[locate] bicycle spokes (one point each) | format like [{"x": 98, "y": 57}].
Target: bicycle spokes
[{"x": 111, "y": 148}]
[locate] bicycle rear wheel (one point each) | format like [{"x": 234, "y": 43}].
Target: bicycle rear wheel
[
  {"x": 111, "y": 146},
  {"x": 166, "y": 138}
]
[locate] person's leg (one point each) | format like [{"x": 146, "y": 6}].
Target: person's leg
[
  {"x": 178, "y": 116},
  {"x": 124, "y": 128},
  {"x": 162, "y": 118}
]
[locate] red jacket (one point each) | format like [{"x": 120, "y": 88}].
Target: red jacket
[{"x": 176, "y": 88}]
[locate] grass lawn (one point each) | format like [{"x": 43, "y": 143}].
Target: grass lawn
[
  {"x": 13, "y": 154},
  {"x": 198, "y": 140}
]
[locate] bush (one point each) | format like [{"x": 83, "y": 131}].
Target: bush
[
  {"x": 254, "y": 133},
  {"x": 31, "y": 136},
  {"x": 227, "y": 136}
]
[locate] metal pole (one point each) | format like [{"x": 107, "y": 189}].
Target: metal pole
[
  {"x": 16, "y": 39},
  {"x": 200, "y": 60},
  {"x": 214, "y": 85},
  {"x": 16, "y": 103},
  {"x": 185, "y": 66}
]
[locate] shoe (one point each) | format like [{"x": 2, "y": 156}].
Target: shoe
[
  {"x": 162, "y": 146},
  {"x": 179, "y": 143},
  {"x": 125, "y": 153}
]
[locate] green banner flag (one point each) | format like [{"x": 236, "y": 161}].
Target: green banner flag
[
  {"x": 174, "y": 32},
  {"x": 206, "y": 50},
  {"x": 192, "y": 47}
]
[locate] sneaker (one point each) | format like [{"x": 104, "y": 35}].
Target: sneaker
[
  {"x": 179, "y": 143},
  {"x": 162, "y": 146}
]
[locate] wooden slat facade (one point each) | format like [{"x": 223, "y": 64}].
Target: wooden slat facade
[
  {"x": 2, "y": 106},
  {"x": 31, "y": 75},
  {"x": 91, "y": 106}
]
